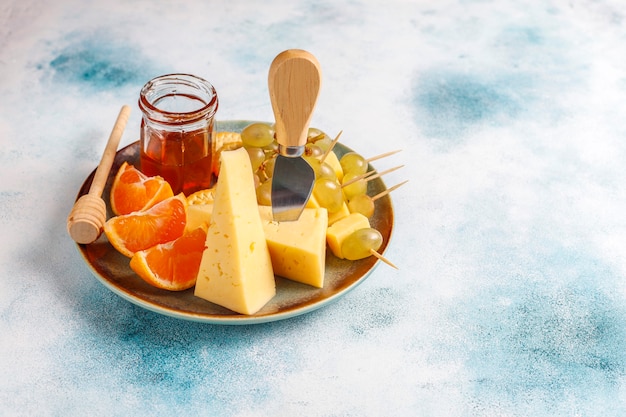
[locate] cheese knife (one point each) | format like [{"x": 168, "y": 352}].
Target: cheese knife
[{"x": 294, "y": 82}]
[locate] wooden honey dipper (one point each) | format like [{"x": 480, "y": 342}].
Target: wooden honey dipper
[{"x": 87, "y": 218}]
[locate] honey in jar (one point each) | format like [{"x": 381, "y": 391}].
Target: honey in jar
[{"x": 176, "y": 136}]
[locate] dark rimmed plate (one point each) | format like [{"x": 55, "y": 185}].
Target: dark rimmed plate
[{"x": 292, "y": 299}]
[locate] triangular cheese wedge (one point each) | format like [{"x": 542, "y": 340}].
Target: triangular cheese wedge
[
  {"x": 298, "y": 248},
  {"x": 236, "y": 270}
]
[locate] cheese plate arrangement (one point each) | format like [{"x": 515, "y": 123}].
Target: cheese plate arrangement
[{"x": 291, "y": 298}]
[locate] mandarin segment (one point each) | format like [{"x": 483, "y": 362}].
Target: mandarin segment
[
  {"x": 134, "y": 191},
  {"x": 173, "y": 265},
  {"x": 163, "y": 222}
]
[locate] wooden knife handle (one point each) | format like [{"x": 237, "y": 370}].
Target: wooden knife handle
[{"x": 294, "y": 84}]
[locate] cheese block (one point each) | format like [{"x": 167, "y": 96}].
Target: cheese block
[
  {"x": 298, "y": 248},
  {"x": 199, "y": 209},
  {"x": 198, "y": 215},
  {"x": 341, "y": 229},
  {"x": 236, "y": 269}
]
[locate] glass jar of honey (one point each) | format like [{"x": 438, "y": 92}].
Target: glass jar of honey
[{"x": 176, "y": 137}]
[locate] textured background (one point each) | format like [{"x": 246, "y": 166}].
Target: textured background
[{"x": 510, "y": 298}]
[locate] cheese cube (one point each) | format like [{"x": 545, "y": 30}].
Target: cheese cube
[
  {"x": 339, "y": 214},
  {"x": 332, "y": 217},
  {"x": 333, "y": 161},
  {"x": 341, "y": 229},
  {"x": 236, "y": 269},
  {"x": 298, "y": 248}
]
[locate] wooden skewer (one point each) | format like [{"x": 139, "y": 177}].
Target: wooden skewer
[
  {"x": 85, "y": 221},
  {"x": 382, "y": 155},
  {"x": 330, "y": 148},
  {"x": 382, "y": 258},
  {"x": 370, "y": 176},
  {"x": 380, "y": 174},
  {"x": 388, "y": 190}
]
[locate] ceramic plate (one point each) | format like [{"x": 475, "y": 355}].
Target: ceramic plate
[{"x": 292, "y": 299}]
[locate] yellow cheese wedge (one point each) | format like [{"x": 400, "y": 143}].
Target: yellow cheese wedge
[
  {"x": 224, "y": 141},
  {"x": 298, "y": 248},
  {"x": 236, "y": 269},
  {"x": 341, "y": 229},
  {"x": 198, "y": 215},
  {"x": 199, "y": 209}
]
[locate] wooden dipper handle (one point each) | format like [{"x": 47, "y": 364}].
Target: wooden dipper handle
[{"x": 85, "y": 221}]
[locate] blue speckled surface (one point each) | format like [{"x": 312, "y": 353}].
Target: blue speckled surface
[{"x": 510, "y": 299}]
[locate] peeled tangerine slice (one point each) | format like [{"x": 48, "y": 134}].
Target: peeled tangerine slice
[
  {"x": 236, "y": 269},
  {"x": 298, "y": 248}
]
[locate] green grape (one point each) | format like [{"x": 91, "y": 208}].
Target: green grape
[
  {"x": 257, "y": 156},
  {"x": 313, "y": 150},
  {"x": 328, "y": 194},
  {"x": 354, "y": 189},
  {"x": 362, "y": 203},
  {"x": 360, "y": 244},
  {"x": 324, "y": 144},
  {"x": 319, "y": 138},
  {"x": 272, "y": 148},
  {"x": 322, "y": 169},
  {"x": 315, "y": 134},
  {"x": 353, "y": 162},
  {"x": 326, "y": 171},
  {"x": 314, "y": 162},
  {"x": 268, "y": 166},
  {"x": 257, "y": 135},
  {"x": 264, "y": 194}
]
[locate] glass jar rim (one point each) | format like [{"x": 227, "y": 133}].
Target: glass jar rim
[{"x": 206, "y": 93}]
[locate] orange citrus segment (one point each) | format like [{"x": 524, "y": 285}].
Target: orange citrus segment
[
  {"x": 163, "y": 222},
  {"x": 174, "y": 265},
  {"x": 134, "y": 191}
]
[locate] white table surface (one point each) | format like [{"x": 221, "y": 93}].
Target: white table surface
[{"x": 510, "y": 234}]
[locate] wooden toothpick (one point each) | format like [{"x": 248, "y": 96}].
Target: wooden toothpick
[
  {"x": 370, "y": 175},
  {"x": 382, "y": 155},
  {"x": 388, "y": 190},
  {"x": 382, "y": 258},
  {"x": 330, "y": 148}
]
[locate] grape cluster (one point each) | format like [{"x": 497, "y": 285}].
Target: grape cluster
[{"x": 333, "y": 189}]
